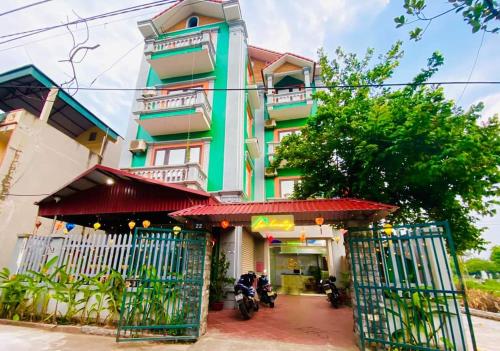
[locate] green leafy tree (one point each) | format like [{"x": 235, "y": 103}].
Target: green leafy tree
[
  {"x": 477, "y": 265},
  {"x": 410, "y": 147},
  {"x": 479, "y": 14}
]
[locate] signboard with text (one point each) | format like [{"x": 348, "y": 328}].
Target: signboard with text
[{"x": 278, "y": 223}]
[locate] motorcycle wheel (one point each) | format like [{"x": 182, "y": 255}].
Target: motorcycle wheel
[
  {"x": 256, "y": 306},
  {"x": 271, "y": 304},
  {"x": 244, "y": 311}
]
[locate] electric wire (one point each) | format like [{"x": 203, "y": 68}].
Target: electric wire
[{"x": 24, "y": 7}]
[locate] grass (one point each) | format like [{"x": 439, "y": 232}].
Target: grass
[{"x": 490, "y": 286}]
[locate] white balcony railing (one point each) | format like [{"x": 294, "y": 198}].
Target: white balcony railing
[
  {"x": 287, "y": 98},
  {"x": 271, "y": 148},
  {"x": 155, "y": 102},
  {"x": 181, "y": 42},
  {"x": 189, "y": 174}
]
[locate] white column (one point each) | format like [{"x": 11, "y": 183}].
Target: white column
[
  {"x": 49, "y": 103},
  {"x": 235, "y": 108},
  {"x": 330, "y": 252},
  {"x": 307, "y": 82},
  {"x": 270, "y": 82}
]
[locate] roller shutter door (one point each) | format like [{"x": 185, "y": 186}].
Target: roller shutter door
[{"x": 247, "y": 253}]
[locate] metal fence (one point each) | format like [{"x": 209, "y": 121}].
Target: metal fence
[
  {"x": 406, "y": 296},
  {"x": 80, "y": 254}
]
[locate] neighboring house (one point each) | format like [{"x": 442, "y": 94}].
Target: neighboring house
[
  {"x": 46, "y": 139},
  {"x": 187, "y": 128}
]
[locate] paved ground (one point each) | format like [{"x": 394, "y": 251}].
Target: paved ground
[
  {"x": 307, "y": 320},
  {"x": 308, "y": 328}
]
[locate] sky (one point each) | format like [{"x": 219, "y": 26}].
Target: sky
[{"x": 297, "y": 26}]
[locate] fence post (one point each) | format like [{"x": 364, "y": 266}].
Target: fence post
[
  {"x": 55, "y": 247},
  {"x": 18, "y": 252}
]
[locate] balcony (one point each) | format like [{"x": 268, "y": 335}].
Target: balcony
[
  {"x": 272, "y": 147},
  {"x": 290, "y": 105},
  {"x": 190, "y": 175},
  {"x": 181, "y": 55},
  {"x": 174, "y": 113}
]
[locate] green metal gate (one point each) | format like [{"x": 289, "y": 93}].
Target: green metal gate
[
  {"x": 164, "y": 286},
  {"x": 409, "y": 290}
]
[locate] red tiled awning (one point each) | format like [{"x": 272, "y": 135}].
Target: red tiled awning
[{"x": 304, "y": 211}]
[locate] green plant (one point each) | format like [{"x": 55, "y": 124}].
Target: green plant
[
  {"x": 13, "y": 300},
  {"x": 107, "y": 290},
  {"x": 219, "y": 279},
  {"x": 419, "y": 320}
]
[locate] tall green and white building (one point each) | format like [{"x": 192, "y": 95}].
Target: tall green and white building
[{"x": 214, "y": 112}]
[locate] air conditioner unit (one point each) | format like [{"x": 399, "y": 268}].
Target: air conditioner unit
[
  {"x": 148, "y": 93},
  {"x": 269, "y": 123},
  {"x": 137, "y": 146}
]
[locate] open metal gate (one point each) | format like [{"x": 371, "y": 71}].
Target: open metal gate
[
  {"x": 164, "y": 283},
  {"x": 409, "y": 290}
]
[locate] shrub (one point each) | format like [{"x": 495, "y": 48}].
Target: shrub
[{"x": 482, "y": 300}]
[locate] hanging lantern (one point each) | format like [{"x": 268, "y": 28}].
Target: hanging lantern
[
  {"x": 337, "y": 239},
  {"x": 69, "y": 226},
  {"x": 65, "y": 231},
  {"x": 302, "y": 237},
  {"x": 176, "y": 230},
  {"x": 59, "y": 225},
  {"x": 38, "y": 223},
  {"x": 319, "y": 220},
  {"x": 146, "y": 223},
  {"x": 270, "y": 238},
  {"x": 343, "y": 231},
  {"x": 97, "y": 225},
  {"x": 131, "y": 225},
  {"x": 224, "y": 224},
  {"x": 388, "y": 229}
]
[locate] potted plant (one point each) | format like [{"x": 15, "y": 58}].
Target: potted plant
[{"x": 219, "y": 281}]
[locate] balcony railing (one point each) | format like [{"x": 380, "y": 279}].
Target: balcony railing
[
  {"x": 181, "y": 42},
  {"x": 189, "y": 174},
  {"x": 156, "y": 102},
  {"x": 288, "y": 105},
  {"x": 287, "y": 98},
  {"x": 182, "y": 55}
]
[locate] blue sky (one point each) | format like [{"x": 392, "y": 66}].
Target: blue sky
[{"x": 284, "y": 25}]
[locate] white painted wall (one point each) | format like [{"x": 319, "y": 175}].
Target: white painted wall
[{"x": 39, "y": 160}]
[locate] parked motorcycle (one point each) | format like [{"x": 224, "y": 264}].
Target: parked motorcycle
[
  {"x": 265, "y": 291},
  {"x": 331, "y": 291},
  {"x": 244, "y": 295}
]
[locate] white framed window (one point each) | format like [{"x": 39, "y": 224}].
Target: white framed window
[
  {"x": 287, "y": 186},
  {"x": 192, "y": 22},
  {"x": 176, "y": 156},
  {"x": 284, "y": 133}
]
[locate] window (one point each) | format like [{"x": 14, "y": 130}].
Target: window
[
  {"x": 192, "y": 22},
  {"x": 93, "y": 136},
  {"x": 284, "y": 133},
  {"x": 287, "y": 186},
  {"x": 177, "y": 156}
]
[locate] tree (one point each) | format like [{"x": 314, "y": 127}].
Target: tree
[
  {"x": 495, "y": 256},
  {"x": 477, "y": 265},
  {"x": 479, "y": 14},
  {"x": 409, "y": 147}
]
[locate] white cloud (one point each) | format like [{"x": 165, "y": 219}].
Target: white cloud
[
  {"x": 491, "y": 104},
  {"x": 301, "y": 26}
]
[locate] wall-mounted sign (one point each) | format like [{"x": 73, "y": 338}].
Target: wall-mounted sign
[{"x": 278, "y": 223}]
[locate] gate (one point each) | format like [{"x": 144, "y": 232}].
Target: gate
[
  {"x": 409, "y": 289},
  {"x": 164, "y": 283}
]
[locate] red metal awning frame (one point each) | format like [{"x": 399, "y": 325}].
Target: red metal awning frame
[{"x": 304, "y": 211}]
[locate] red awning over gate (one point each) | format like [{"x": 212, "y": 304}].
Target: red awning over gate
[{"x": 304, "y": 211}]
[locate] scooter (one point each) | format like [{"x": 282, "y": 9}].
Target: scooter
[
  {"x": 265, "y": 290},
  {"x": 331, "y": 291},
  {"x": 244, "y": 295}
]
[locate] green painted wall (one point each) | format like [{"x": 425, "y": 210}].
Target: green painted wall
[{"x": 217, "y": 131}]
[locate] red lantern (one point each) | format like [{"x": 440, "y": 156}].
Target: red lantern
[
  {"x": 38, "y": 223},
  {"x": 224, "y": 224},
  {"x": 302, "y": 237},
  {"x": 270, "y": 238},
  {"x": 319, "y": 220}
]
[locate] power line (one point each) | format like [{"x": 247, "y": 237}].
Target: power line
[
  {"x": 334, "y": 86},
  {"x": 32, "y": 32},
  {"x": 473, "y": 66},
  {"x": 24, "y": 7}
]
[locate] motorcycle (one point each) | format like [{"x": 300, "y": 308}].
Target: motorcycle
[
  {"x": 244, "y": 295},
  {"x": 331, "y": 291},
  {"x": 265, "y": 291}
]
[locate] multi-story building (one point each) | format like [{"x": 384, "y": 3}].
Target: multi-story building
[
  {"x": 213, "y": 113},
  {"x": 46, "y": 138}
]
